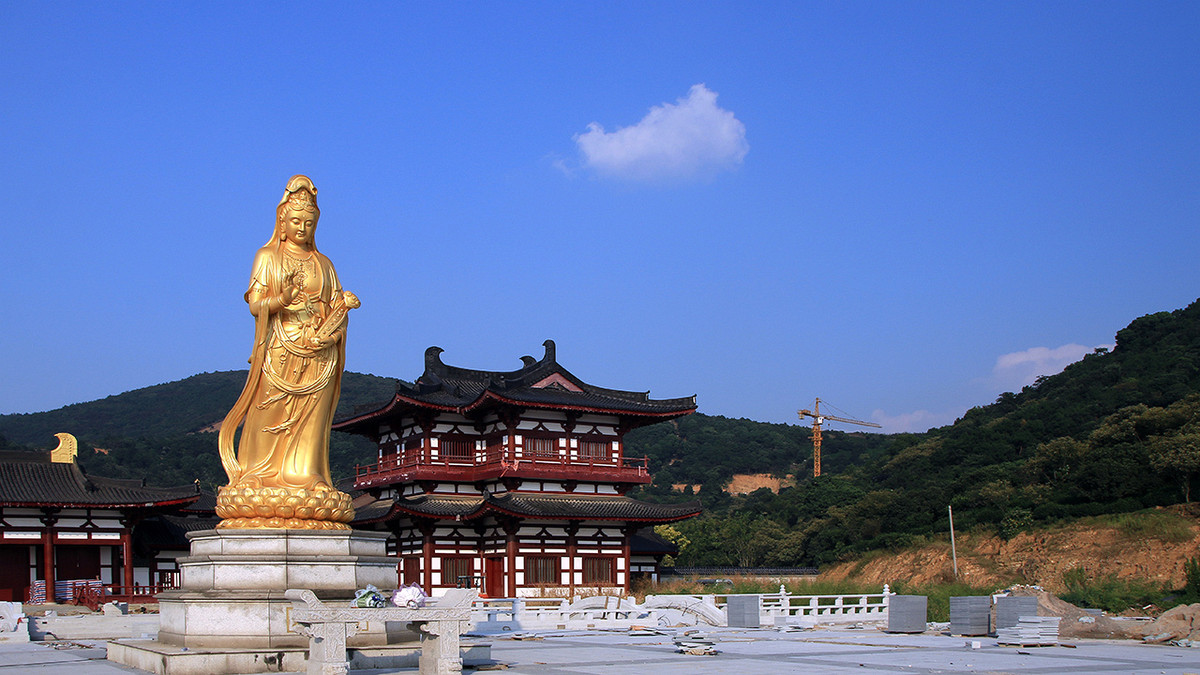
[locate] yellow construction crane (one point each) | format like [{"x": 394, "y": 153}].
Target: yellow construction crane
[{"x": 818, "y": 418}]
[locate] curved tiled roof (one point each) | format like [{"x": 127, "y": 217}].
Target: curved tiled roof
[
  {"x": 557, "y": 507},
  {"x": 31, "y": 479},
  {"x": 539, "y": 384}
]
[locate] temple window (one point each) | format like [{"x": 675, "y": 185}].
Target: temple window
[
  {"x": 456, "y": 447},
  {"x": 456, "y": 570},
  {"x": 598, "y": 570},
  {"x": 593, "y": 449},
  {"x": 542, "y": 569},
  {"x": 541, "y": 446}
]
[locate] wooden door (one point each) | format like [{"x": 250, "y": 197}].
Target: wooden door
[
  {"x": 14, "y": 573},
  {"x": 493, "y": 576},
  {"x": 76, "y": 562}
]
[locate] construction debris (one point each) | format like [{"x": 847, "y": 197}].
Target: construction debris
[
  {"x": 695, "y": 646},
  {"x": 1071, "y": 627},
  {"x": 1181, "y": 623}
]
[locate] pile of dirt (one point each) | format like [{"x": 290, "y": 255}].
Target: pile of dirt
[
  {"x": 1180, "y": 623},
  {"x": 1076, "y": 622}
]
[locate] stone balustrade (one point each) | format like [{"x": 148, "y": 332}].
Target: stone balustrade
[
  {"x": 440, "y": 624},
  {"x": 615, "y": 612}
]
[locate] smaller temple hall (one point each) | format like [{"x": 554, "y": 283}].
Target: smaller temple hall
[{"x": 514, "y": 482}]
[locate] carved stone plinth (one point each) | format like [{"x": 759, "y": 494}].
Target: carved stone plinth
[
  {"x": 232, "y": 584},
  {"x": 231, "y": 604},
  {"x": 440, "y": 623}
]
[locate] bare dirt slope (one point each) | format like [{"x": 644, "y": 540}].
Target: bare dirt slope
[{"x": 1039, "y": 557}]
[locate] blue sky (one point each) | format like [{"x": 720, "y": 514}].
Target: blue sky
[{"x": 902, "y": 208}]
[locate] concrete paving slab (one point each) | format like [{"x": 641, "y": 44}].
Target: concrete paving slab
[
  {"x": 85, "y": 657},
  {"x": 835, "y": 652}
]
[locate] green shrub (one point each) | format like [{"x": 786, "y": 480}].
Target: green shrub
[
  {"x": 1191, "y": 572},
  {"x": 1164, "y": 526},
  {"x": 1015, "y": 522},
  {"x": 1108, "y": 592}
]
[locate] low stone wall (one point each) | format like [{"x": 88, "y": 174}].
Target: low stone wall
[{"x": 94, "y": 627}]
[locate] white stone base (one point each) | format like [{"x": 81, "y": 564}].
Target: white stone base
[
  {"x": 230, "y": 604},
  {"x": 155, "y": 657},
  {"x": 232, "y": 585}
]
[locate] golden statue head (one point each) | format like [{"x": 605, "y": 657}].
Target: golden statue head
[{"x": 300, "y": 195}]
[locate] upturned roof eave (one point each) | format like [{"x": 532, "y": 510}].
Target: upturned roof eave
[
  {"x": 621, "y": 519},
  {"x": 489, "y": 396},
  {"x": 12, "y": 503},
  {"x": 488, "y": 506}
]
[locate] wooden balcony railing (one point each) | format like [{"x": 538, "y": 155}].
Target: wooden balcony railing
[{"x": 422, "y": 464}]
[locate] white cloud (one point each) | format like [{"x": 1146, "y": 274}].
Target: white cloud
[
  {"x": 1010, "y": 373},
  {"x": 693, "y": 137},
  {"x": 917, "y": 421},
  {"x": 1018, "y": 369}
]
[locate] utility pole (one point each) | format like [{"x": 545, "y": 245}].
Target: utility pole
[{"x": 953, "y": 551}]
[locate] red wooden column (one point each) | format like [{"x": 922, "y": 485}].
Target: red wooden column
[
  {"x": 48, "y": 564},
  {"x": 627, "y": 534},
  {"x": 127, "y": 523},
  {"x": 572, "y": 546},
  {"x": 511, "y": 526},
  {"x": 425, "y": 527},
  {"x": 127, "y": 560},
  {"x": 49, "y": 519}
]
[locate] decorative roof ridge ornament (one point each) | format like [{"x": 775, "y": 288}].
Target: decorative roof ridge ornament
[
  {"x": 67, "y": 450},
  {"x": 433, "y": 360}
]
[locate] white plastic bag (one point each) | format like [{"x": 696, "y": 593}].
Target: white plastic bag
[{"x": 410, "y": 596}]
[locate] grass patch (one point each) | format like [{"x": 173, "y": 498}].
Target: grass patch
[
  {"x": 1108, "y": 592},
  {"x": 1164, "y": 526}
]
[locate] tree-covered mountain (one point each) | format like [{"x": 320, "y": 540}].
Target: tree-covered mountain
[
  {"x": 166, "y": 433},
  {"x": 1116, "y": 431}
]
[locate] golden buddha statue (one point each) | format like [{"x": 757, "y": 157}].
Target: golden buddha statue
[{"x": 280, "y": 475}]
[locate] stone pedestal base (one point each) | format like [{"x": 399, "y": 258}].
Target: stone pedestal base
[{"x": 232, "y": 585}]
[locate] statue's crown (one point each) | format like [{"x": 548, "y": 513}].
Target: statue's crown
[
  {"x": 301, "y": 200},
  {"x": 300, "y": 193}
]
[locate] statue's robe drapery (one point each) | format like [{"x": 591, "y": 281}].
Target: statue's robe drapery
[{"x": 292, "y": 391}]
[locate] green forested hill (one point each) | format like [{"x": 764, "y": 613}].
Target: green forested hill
[
  {"x": 165, "y": 433},
  {"x": 1117, "y": 431}
]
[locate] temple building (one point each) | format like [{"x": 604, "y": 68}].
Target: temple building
[
  {"x": 515, "y": 481},
  {"x": 57, "y": 524}
]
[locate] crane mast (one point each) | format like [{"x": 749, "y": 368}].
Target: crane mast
[{"x": 817, "y": 419}]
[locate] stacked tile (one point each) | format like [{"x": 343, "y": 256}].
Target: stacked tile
[
  {"x": 37, "y": 592},
  {"x": 64, "y": 590},
  {"x": 1029, "y": 631},
  {"x": 1013, "y": 607},
  {"x": 907, "y": 613},
  {"x": 971, "y": 615},
  {"x": 742, "y": 611}
]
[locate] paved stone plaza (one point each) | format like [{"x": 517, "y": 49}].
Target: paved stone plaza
[{"x": 740, "y": 651}]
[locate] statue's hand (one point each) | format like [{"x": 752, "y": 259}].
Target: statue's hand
[
  {"x": 290, "y": 290},
  {"x": 321, "y": 343}
]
